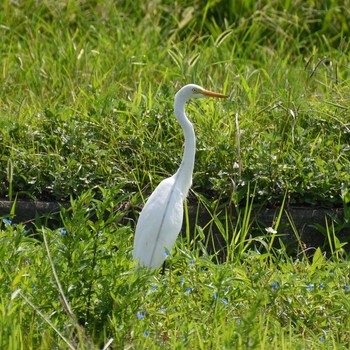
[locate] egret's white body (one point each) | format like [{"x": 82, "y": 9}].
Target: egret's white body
[{"x": 160, "y": 220}]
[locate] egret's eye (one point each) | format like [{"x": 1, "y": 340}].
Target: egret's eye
[{"x": 196, "y": 91}]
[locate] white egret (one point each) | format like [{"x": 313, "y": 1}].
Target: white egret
[{"x": 160, "y": 220}]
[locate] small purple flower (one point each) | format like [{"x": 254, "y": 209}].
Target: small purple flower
[
  {"x": 224, "y": 301},
  {"x": 310, "y": 287},
  {"x": 191, "y": 261},
  {"x": 188, "y": 290},
  {"x": 63, "y": 231},
  {"x": 215, "y": 296},
  {"x": 154, "y": 287},
  {"x": 146, "y": 333},
  {"x": 165, "y": 253},
  {"x": 321, "y": 286},
  {"x": 347, "y": 287},
  {"x": 274, "y": 286},
  {"x": 7, "y": 221},
  {"x": 140, "y": 315},
  {"x": 182, "y": 281}
]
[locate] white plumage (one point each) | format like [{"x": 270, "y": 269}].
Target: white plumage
[{"x": 160, "y": 220}]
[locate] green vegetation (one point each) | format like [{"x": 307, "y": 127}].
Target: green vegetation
[
  {"x": 88, "y": 88},
  {"x": 86, "y": 115},
  {"x": 259, "y": 298}
]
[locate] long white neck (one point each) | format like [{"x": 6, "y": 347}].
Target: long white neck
[{"x": 185, "y": 171}]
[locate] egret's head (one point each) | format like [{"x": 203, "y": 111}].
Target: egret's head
[{"x": 196, "y": 91}]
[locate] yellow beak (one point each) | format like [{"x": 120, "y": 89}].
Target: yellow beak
[{"x": 213, "y": 94}]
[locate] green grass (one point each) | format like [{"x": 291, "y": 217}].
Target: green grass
[
  {"x": 88, "y": 88},
  {"x": 86, "y": 115},
  {"x": 256, "y": 298}
]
